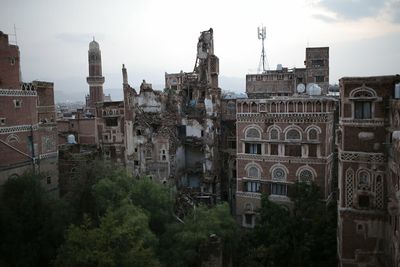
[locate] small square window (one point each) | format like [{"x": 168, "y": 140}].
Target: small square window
[
  {"x": 136, "y": 162},
  {"x": 17, "y": 103},
  {"x": 138, "y": 132},
  {"x": 2, "y": 121}
]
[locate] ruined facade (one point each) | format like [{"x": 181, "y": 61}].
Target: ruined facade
[
  {"x": 367, "y": 141},
  {"x": 28, "y": 132},
  {"x": 110, "y": 126},
  {"x": 173, "y": 136},
  {"x": 284, "y": 134}
]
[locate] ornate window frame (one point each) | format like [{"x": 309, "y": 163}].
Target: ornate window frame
[
  {"x": 306, "y": 168},
  {"x": 253, "y": 165},
  {"x": 353, "y": 97},
  {"x": 251, "y": 127},
  {"x": 313, "y": 127},
  {"x": 290, "y": 128},
  {"x": 274, "y": 168}
]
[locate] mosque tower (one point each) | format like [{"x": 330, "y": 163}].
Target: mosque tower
[{"x": 95, "y": 78}]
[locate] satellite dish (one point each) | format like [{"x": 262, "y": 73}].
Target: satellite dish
[{"x": 301, "y": 88}]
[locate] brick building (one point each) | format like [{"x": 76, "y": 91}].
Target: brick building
[
  {"x": 284, "y": 134},
  {"x": 28, "y": 132},
  {"x": 284, "y": 81},
  {"x": 367, "y": 141},
  {"x": 95, "y": 78}
]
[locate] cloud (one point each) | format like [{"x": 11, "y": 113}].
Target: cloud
[
  {"x": 325, "y": 18},
  {"x": 353, "y": 9},
  {"x": 392, "y": 11}
]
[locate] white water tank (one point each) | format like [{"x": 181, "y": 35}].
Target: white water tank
[
  {"x": 71, "y": 139},
  {"x": 397, "y": 91},
  {"x": 313, "y": 89}
]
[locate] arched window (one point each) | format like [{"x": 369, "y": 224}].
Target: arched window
[
  {"x": 312, "y": 134},
  {"x": 254, "y": 107},
  {"x": 253, "y": 172},
  {"x": 274, "y": 135},
  {"x": 364, "y": 180},
  {"x": 306, "y": 176},
  {"x": 253, "y": 133},
  {"x": 278, "y": 174},
  {"x": 293, "y": 135},
  {"x": 363, "y": 98}
]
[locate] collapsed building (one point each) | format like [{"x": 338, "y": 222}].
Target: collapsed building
[{"x": 173, "y": 136}]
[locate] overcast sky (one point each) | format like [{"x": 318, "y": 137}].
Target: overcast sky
[{"x": 153, "y": 37}]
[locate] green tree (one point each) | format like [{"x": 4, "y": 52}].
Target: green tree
[
  {"x": 304, "y": 236},
  {"x": 188, "y": 243},
  {"x": 82, "y": 196},
  {"x": 31, "y": 223},
  {"x": 156, "y": 200},
  {"x": 122, "y": 239}
]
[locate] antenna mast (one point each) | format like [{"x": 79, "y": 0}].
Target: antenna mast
[{"x": 262, "y": 33}]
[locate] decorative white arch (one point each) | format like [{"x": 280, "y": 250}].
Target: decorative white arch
[
  {"x": 276, "y": 167},
  {"x": 306, "y": 168},
  {"x": 12, "y": 138},
  {"x": 370, "y": 93},
  {"x": 293, "y": 127}
]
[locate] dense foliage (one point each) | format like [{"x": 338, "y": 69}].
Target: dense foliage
[
  {"x": 303, "y": 236},
  {"x": 107, "y": 219}
]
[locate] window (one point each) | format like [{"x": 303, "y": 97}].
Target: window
[
  {"x": 274, "y": 134},
  {"x": 363, "y": 201},
  {"x": 252, "y": 186},
  {"x": 248, "y": 219},
  {"x": 253, "y": 133},
  {"x": 12, "y": 61},
  {"x": 253, "y": 172},
  {"x": 232, "y": 144},
  {"x": 293, "y": 135},
  {"x": 317, "y": 62},
  {"x": 112, "y": 121},
  {"x": 364, "y": 178},
  {"x": 136, "y": 162},
  {"x": 362, "y": 110},
  {"x": 293, "y": 150},
  {"x": 306, "y": 176},
  {"x": 2, "y": 121},
  {"x": 138, "y": 132},
  {"x": 319, "y": 79},
  {"x": 48, "y": 179},
  {"x": 278, "y": 174},
  {"x": 252, "y": 148},
  {"x": 274, "y": 149},
  {"x": 312, "y": 134},
  {"x": 312, "y": 150},
  {"x": 278, "y": 189},
  {"x": 17, "y": 103}
]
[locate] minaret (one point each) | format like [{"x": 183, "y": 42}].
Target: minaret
[{"x": 95, "y": 78}]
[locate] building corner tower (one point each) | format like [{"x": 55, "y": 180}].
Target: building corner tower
[{"x": 95, "y": 78}]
